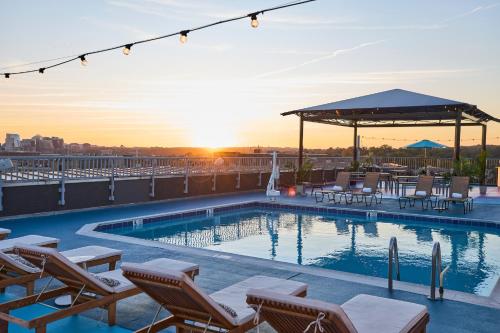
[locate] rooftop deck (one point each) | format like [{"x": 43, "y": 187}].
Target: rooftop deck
[{"x": 219, "y": 272}]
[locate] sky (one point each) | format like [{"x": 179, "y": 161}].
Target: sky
[{"x": 228, "y": 85}]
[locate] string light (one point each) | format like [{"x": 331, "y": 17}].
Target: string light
[
  {"x": 126, "y": 47},
  {"x": 41, "y": 70},
  {"x": 254, "y": 22},
  {"x": 184, "y": 36},
  {"x": 411, "y": 140},
  {"x": 83, "y": 60}
]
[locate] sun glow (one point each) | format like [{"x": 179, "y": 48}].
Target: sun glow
[{"x": 213, "y": 137}]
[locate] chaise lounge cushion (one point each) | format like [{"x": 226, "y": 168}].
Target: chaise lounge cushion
[
  {"x": 4, "y": 232},
  {"x": 8, "y": 244},
  {"x": 235, "y": 296},
  {"x": 377, "y": 314},
  {"x": 86, "y": 253}
]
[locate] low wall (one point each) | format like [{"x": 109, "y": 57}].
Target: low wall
[{"x": 32, "y": 198}]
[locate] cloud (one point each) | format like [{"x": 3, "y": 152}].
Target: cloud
[
  {"x": 329, "y": 56},
  {"x": 472, "y": 12}
]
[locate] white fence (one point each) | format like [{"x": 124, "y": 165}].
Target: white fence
[{"x": 60, "y": 168}]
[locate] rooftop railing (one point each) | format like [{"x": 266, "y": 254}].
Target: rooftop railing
[
  {"x": 58, "y": 168},
  {"x": 43, "y": 169}
]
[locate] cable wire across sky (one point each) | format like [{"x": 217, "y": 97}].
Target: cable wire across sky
[{"x": 128, "y": 46}]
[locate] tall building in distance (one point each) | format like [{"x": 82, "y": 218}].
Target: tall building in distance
[{"x": 12, "y": 142}]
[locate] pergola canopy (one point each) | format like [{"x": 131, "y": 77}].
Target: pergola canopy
[{"x": 394, "y": 108}]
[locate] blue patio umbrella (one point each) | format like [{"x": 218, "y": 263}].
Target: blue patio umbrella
[{"x": 425, "y": 144}]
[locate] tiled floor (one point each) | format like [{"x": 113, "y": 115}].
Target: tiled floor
[{"x": 217, "y": 273}]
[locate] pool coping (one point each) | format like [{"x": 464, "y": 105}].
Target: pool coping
[{"x": 92, "y": 230}]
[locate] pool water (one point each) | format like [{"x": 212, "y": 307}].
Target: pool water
[{"x": 341, "y": 243}]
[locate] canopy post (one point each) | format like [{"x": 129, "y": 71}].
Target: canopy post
[
  {"x": 355, "y": 144},
  {"x": 301, "y": 141},
  {"x": 458, "y": 129},
  {"x": 483, "y": 138}
]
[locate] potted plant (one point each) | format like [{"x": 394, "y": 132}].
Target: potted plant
[{"x": 303, "y": 175}]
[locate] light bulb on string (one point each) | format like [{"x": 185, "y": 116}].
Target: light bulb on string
[
  {"x": 83, "y": 60},
  {"x": 7, "y": 75},
  {"x": 184, "y": 36},
  {"x": 254, "y": 22},
  {"x": 41, "y": 70},
  {"x": 126, "y": 49}
]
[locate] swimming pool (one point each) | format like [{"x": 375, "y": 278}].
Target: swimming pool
[{"x": 332, "y": 241}]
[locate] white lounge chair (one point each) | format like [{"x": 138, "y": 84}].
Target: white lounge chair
[
  {"x": 7, "y": 245},
  {"x": 361, "y": 314},
  {"x": 15, "y": 270},
  {"x": 4, "y": 233},
  {"x": 107, "y": 288},
  {"x": 192, "y": 309}
]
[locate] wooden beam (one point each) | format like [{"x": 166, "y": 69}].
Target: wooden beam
[
  {"x": 301, "y": 141},
  {"x": 355, "y": 144},
  {"x": 458, "y": 130},
  {"x": 483, "y": 138}
]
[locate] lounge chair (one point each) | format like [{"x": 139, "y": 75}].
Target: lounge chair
[
  {"x": 192, "y": 309},
  {"x": 4, "y": 233},
  {"x": 458, "y": 193},
  {"x": 16, "y": 270},
  {"x": 7, "y": 245},
  {"x": 89, "y": 290},
  {"x": 341, "y": 188},
  {"x": 361, "y": 314},
  {"x": 370, "y": 190},
  {"x": 423, "y": 193}
]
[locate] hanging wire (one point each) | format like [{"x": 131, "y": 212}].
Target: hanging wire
[
  {"x": 127, "y": 46},
  {"x": 416, "y": 139}
]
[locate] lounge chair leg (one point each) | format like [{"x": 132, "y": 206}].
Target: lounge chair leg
[
  {"x": 30, "y": 288},
  {"x": 112, "y": 314},
  {"x": 42, "y": 329},
  {"x": 4, "y": 325}
]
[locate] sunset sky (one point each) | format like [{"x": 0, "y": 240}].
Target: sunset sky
[{"x": 228, "y": 85}]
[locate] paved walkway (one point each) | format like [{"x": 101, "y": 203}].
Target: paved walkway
[{"x": 217, "y": 273}]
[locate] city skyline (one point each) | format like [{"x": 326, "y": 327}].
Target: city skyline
[{"x": 227, "y": 86}]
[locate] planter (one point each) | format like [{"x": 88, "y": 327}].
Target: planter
[
  {"x": 300, "y": 189},
  {"x": 482, "y": 189}
]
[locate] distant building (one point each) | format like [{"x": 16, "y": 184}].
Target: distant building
[
  {"x": 58, "y": 143},
  {"x": 12, "y": 142},
  {"x": 44, "y": 144},
  {"x": 28, "y": 145}
]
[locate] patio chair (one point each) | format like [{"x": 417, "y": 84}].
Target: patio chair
[
  {"x": 458, "y": 194},
  {"x": 193, "y": 310},
  {"x": 370, "y": 190},
  {"x": 4, "y": 233},
  {"x": 341, "y": 187},
  {"x": 423, "y": 193},
  {"x": 361, "y": 314},
  {"x": 15, "y": 270},
  {"x": 89, "y": 291},
  {"x": 7, "y": 245}
]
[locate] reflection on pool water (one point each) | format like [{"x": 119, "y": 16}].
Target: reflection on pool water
[{"x": 340, "y": 243}]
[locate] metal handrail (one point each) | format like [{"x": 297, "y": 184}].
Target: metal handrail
[
  {"x": 41, "y": 168},
  {"x": 437, "y": 268},
  {"x": 393, "y": 257}
]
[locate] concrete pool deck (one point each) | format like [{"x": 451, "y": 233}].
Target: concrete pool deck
[{"x": 218, "y": 272}]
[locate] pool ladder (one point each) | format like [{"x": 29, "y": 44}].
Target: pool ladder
[
  {"x": 437, "y": 268},
  {"x": 393, "y": 260}
]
